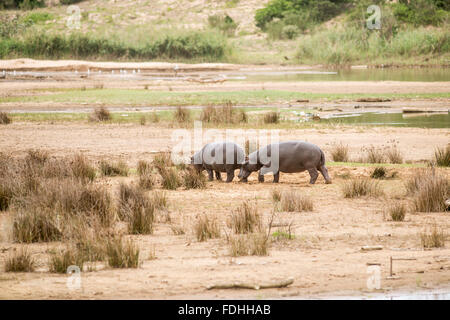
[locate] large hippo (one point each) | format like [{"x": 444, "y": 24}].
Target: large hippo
[
  {"x": 294, "y": 156},
  {"x": 219, "y": 157}
]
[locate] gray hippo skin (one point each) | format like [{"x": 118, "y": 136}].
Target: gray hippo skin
[
  {"x": 219, "y": 157},
  {"x": 294, "y": 156}
]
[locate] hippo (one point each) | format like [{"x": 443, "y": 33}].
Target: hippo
[
  {"x": 294, "y": 156},
  {"x": 219, "y": 157}
]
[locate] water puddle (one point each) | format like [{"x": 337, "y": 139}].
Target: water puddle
[{"x": 419, "y": 120}]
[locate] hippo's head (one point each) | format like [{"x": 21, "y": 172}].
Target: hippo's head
[
  {"x": 197, "y": 166},
  {"x": 247, "y": 169}
]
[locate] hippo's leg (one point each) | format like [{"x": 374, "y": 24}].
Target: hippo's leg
[
  {"x": 230, "y": 175},
  {"x": 323, "y": 170},
  {"x": 276, "y": 177},
  {"x": 210, "y": 174},
  {"x": 314, "y": 174},
  {"x": 218, "y": 176},
  {"x": 260, "y": 176}
]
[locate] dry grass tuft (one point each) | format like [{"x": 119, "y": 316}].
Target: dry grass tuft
[
  {"x": 339, "y": 153},
  {"x": 206, "y": 228},
  {"x": 20, "y": 261},
  {"x": 223, "y": 114},
  {"x": 182, "y": 115},
  {"x": 430, "y": 189},
  {"x": 374, "y": 155},
  {"x": 397, "y": 211},
  {"x": 63, "y": 259},
  {"x": 163, "y": 160},
  {"x": 379, "y": 173},
  {"x": 122, "y": 254},
  {"x": 433, "y": 238},
  {"x": 145, "y": 172},
  {"x": 254, "y": 244},
  {"x": 361, "y": 187},
  {"x": 170, "y": 178},
  {"x": 276, "y": 195},
  {"x": 192, "y": 179},
  {"x": 245, "y": 219},
  {"x": 442, "y": 157},
  {"x": 293, "y": 201},
  {"x": 136, "y": 208},
  {"x": 272, "y": 117},
  {"x": 110, "y": 169},
  {"x": 5, "y": 118},
  {"x": 394, "y": 155},
  {"x": 100, "y": 114}
]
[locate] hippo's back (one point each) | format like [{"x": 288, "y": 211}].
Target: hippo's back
[
  {"x": 296, "y": 156},
  {"x": 222, "y": 155}
]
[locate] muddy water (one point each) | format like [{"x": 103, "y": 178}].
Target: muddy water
[{"x": 392, "y": 119}]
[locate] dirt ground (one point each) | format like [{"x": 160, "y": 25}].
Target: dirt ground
[{"x": 324, "y": 258}]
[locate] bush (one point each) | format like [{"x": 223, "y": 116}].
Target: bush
[
  {"x": 420, "y": 12},
  {"x": 276, "y": 195},
  {"x": 21, "y": 261},
  {"x": 361, "y": 187},
  {"x": 318, "y": 11},
  {"x": 206, "y": 228},
  {"x": 162, "y": 160},
  {"x": 223, "y": 114},
  {"x": 5, "y": 118},
  {"x": 290, "y": 32}
]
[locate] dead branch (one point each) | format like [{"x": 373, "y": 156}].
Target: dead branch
[{"x": 241, "y": 285}]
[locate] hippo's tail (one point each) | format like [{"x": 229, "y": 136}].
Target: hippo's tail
[{"x": 322, "y": 159}]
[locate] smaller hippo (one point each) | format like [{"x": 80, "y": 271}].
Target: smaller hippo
[
  {"x": 293, "y": 156},
  {"x": 219, "y": 157}
]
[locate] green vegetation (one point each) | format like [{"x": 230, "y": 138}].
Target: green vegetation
[
  {"x": 142, "y": 97},
  {"x": 209, "y": 46}
]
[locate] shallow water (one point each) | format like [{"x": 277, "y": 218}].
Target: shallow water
[
  {"x": 392, "y": 119},
  {"x": 388, "y": 74}
]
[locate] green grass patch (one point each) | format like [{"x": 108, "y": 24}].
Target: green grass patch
[{"x": 141, "y": 97}]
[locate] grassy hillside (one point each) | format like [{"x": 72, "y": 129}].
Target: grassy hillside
[{"x": 226, "y": 31}]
